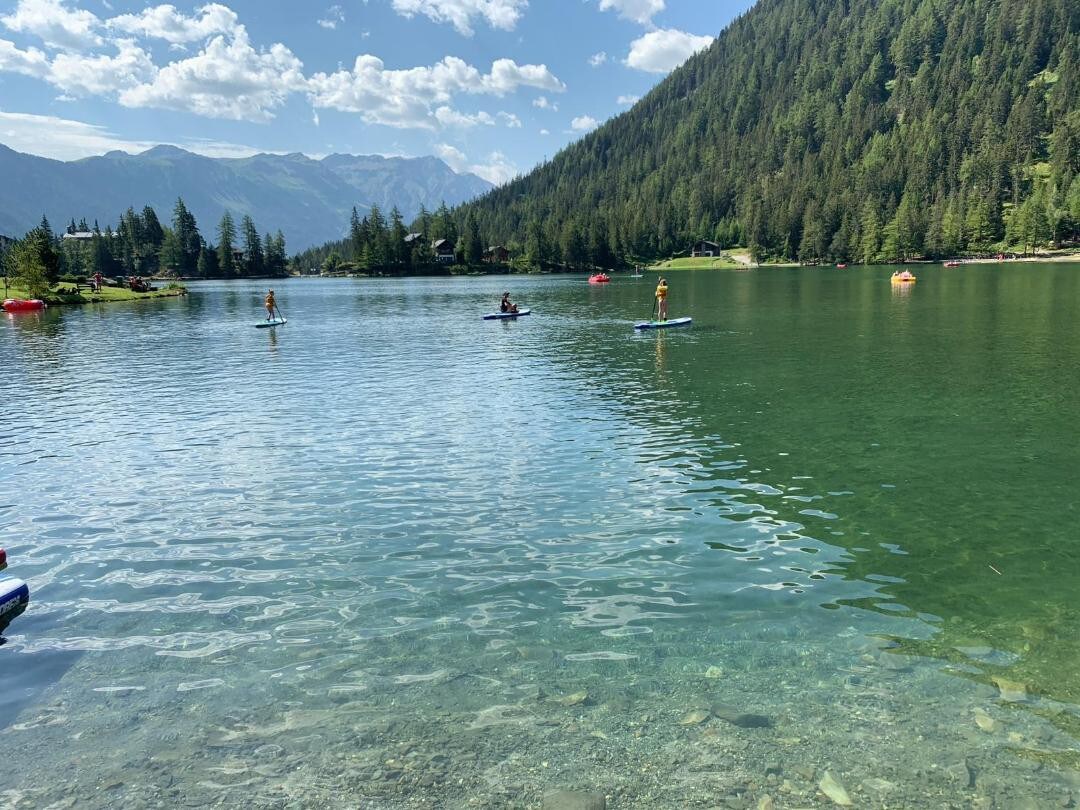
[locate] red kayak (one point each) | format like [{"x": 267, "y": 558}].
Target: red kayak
[
  {"x": 599, "y": 278},
  {"x": 23, "y": 304}
]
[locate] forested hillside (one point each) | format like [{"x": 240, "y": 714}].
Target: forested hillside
[{"x": 862, "y": 130}]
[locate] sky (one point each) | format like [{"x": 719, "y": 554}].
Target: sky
[{"x": 490, "y": 86}]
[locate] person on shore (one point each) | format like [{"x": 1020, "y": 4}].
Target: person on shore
[
  {"x": 506, "y": 306},
  {"x": 661, "y": 300},
  {"x": 270, "y": 305}
]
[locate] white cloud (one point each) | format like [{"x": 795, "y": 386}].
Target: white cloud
[
  {"x": 64, "y": 139},
  {"x": 409, "y": 98},
  {"x": 664, "y": 50},
  {"x": 628, "y": 99},
  {"x": 639, "y": 11},
  {"x": 583, "y": 123},
  {"x": 597, "y": 59},
  {"x": 452, "y": 118},
  {"x": 511, "y": 120},
  {"x": 544, "y": 103},
  {"x": 30, "y": 62},
  {"x": 545, "y": 132},
  {"x": 165, "y": 22},
  {"x": 503, "y": 14},
  {"x": 334, "y": 15},
  {"x": 227, "y": 79},
  {"x": 100, "y": 75},
  {"x": 54, "y": 23},
  {"x": 498, "y": 169}
]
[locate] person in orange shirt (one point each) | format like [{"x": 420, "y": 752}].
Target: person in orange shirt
[
  {"x": 270, "y": 304},
  {"x": 661, "y": 299}
]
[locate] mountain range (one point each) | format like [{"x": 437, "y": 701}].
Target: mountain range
[
  {"x": 827, "y": 130},
  {"x": 308, "y": 200}
]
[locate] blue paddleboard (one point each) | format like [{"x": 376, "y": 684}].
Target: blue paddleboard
[
  {"x": 500, "y": 316},
  {"x": 14, "y": 597},
  {"x": 268, "y": 324},
  {"x": 663, "y": 324}
]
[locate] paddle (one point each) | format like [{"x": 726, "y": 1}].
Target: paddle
[{"x": 280, "y": 315}]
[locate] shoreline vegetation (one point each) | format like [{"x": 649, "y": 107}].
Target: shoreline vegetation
[{"x": 65, "y": 294}]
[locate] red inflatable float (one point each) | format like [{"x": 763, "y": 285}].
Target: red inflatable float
[
  {"x": 599, "y": 278},
  {"x": 23, "y": 304}
]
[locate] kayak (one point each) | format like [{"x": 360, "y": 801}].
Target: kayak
[
  {"x": 501, "y": 316},
  {"x": 268, "y": 324},
  {"x": 952, "y": 264},
  {"x": 663, "y": 324},
  {"x": 14, "y": 597},
  {"x": 23, "y": 304},
  {"x": 599, "y": 278}
]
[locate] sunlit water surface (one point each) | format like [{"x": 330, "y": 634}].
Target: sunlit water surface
[{"x": 391, "y": 555}]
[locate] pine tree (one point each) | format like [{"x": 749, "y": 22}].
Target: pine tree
[
  {"x": 170, "y": 255},
  {"x": 226, "y": 240},
  {"x": 254, "y": 259},
  {"x": 187, "y": 235}
]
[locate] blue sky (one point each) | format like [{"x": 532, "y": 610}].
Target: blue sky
[{"x": 491, "y": 86}]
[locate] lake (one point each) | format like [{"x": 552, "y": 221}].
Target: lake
[{"x": 820, "y": 543}]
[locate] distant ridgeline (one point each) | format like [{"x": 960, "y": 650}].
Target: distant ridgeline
[
  {"x": 840, "y": 130},
  {"x": 142, "y": 246}
]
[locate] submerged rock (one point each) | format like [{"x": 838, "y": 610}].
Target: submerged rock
[
  {"x": 985, "y": 721},
  {"x": 834, "y": 790},
  {"x": 576, "y": 699},
  {"x": 695, "y": 717},
  {"x": 1010, "y": 691},
  {"x": 574, "y": 800},
  {"x": 714, "y": 672},
  {"x": 732, "y": 715}
]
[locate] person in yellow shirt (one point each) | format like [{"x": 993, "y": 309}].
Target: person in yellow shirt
[
  {"x": 270, "y": 304},
  {"x": 661, "y": 300}
]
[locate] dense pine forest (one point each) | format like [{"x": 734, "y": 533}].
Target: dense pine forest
[{"x": 838, "y": 130}]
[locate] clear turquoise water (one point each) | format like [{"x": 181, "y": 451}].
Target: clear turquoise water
[{"x": 391, "y": 555}]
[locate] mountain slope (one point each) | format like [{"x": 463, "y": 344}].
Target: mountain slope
[
  {"x": 828, "y": 129},
  {"x": 309, "y": 200}
]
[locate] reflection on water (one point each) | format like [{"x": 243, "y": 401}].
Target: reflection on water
[{"x": 398, "y": 556}]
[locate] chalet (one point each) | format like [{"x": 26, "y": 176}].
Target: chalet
[
  {"x": 496, "y": 254},
  {"x": 444, "y": 251},
  {"x": 79, "y": 236},
  {"x": 412, "y": 238},
  {"x": 704, "y": 247},
  {"x": 237, "y": 256}
]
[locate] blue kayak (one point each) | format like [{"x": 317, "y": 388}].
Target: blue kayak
[
  {"x": 268, "y": 324},
  {"x": 663, "y": 324},
  {"x": 501, "y": 316}
]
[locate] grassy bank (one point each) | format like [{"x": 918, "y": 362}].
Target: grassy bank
[
  {"x": 702, "y": 263},
  {"x": 65, "y": 294}
]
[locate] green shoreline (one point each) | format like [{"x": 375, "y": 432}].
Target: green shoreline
[{"x": 64, "y": 295}]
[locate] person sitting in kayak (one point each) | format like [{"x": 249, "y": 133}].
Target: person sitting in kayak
[
  {"x": 661, "y": 299},
  {"x": 270, "y": 304},
  {"x": 506, "y": 306}
]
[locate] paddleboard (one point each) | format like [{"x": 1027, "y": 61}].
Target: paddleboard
[
  {"x": 663, "y": 324},
  {"x": 14, "y": 597},
  {"x": 268, "y": 324},
  {"x": 500, "y": 316}
]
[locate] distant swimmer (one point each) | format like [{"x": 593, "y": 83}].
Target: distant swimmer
[
  {"x": 270, "y": 305},
  {"x": 661, "y": 299}
]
